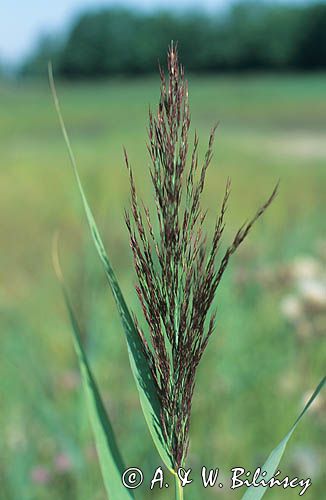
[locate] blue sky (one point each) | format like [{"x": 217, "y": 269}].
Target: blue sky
[{"x": 23, "y": 21}]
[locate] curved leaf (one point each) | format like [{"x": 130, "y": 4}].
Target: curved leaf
[
  {"x": 145, "y": 384},
  {"x": 110, "y": 459},
  {"x": 271, "y": 464}
]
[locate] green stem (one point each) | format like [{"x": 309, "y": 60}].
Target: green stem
[{"x": 178, "y": 487}]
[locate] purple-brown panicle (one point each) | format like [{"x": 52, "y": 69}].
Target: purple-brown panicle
[{"x": 177, "y": 273}]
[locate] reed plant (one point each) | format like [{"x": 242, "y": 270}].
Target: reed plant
[{"x": 179, "y": 269}]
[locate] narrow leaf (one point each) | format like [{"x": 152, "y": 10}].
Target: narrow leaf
[
  {"x": 271, "y": 464},
  {"x": 145, "y": 384},
  {"x": 110, "y": 459}
]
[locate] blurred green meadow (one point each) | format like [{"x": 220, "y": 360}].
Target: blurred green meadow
[{"x": 268, "y": 350}]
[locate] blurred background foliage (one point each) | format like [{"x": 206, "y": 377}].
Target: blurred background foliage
[
  {"x": 269, "y": 350},
  {"x": 251, "y": 35}
]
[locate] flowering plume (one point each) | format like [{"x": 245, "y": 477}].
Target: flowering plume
[{"x": 177, "y": 272}]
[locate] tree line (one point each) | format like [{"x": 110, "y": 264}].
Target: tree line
[{"x": 250, "y": 36}]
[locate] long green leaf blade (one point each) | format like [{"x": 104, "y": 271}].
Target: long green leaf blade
[
  {"x": 271, "y": 464},
  {"x": 110, "y": 459},
  {"x": 145, "y": 384}
]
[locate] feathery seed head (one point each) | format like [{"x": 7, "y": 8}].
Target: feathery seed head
[{"x": 177, "y": 274}]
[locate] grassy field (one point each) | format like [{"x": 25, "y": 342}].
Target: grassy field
[{"x": 268, "y": 350}]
